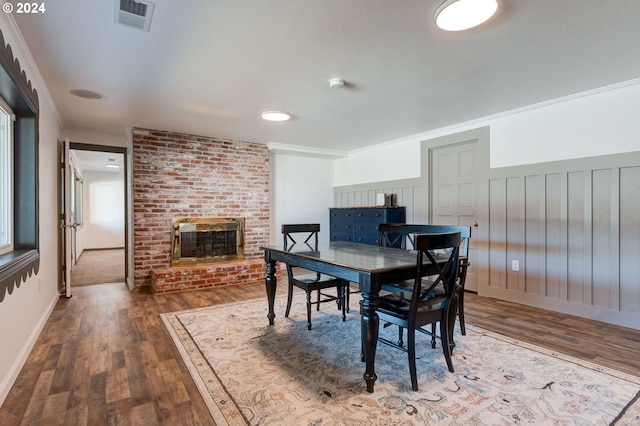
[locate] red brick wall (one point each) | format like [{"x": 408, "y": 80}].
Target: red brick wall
[{"x": 178, "y": 175}]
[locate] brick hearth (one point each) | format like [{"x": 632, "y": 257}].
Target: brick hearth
[
  {"x": 178, "y": 175},
  {"x": 165, "y": 279}
]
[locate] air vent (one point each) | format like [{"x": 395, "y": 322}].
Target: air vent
[{"x": 134, "y": 14}]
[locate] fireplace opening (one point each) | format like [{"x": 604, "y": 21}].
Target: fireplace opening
[{"x": 199, "y": 241}]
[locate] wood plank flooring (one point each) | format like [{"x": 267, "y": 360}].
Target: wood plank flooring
[{"x": 105, "y": 358}]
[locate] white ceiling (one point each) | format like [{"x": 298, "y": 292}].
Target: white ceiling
[
  {"x": 96, "y": 161},
  {"x": 209, "y": 67}
]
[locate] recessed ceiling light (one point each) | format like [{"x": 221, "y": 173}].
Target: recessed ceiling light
[
  {"x": 458, "y": 15},
  {"x": 276, "y": 115},
  {"x": 86, "y": 94}
]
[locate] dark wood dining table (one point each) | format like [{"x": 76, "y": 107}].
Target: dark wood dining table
[{"x": 367, "y": 265}]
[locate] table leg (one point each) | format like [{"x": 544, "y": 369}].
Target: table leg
[
  {"x": 369, "y": 329},
  {"x": 270, "y": 284}
]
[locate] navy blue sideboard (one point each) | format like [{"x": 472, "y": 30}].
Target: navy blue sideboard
[{"x": 360, "y": 224}]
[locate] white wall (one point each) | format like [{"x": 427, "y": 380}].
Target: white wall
[
  {"x": 103, "y": 226},
  {"x": 591, "y": 124},
  {"x": 301, "y": 192},
  {"x": 394, "y": 160},
  {"x": 596, "y": 123},
  {"x": 24, "y": 312}
]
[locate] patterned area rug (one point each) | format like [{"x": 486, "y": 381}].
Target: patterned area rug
[{"x": 251, "y": 373}]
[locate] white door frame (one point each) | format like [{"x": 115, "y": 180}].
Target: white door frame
[{"x": 67, "y": 146}]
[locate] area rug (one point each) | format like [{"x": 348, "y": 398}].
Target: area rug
[{"x": 251, "y": 373}]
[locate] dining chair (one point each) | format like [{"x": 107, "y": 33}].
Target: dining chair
[
  {"x": 421, "y": 307},
  {"x": 308, "y": 281},
  {"x": 403, "y": 235}
]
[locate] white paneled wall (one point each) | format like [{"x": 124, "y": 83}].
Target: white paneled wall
[
  {"x": 574, "y": 228},
  {"x": 407, "y": 194}
]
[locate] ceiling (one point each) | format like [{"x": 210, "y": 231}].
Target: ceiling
[
  {"x": 209, "y": 67},
  {"x": 96, "y": 161}
]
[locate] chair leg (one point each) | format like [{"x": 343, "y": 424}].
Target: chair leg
[
  {"x": 433, "y": 335},
  {"x": 289, "y": 299},
  {"x": 411, "y": 351},
  {"x": 400, "y": 333},
  {"x": 341, "y": 290},
  {"x": 308, "y": 310},
  {"x": 446, "y": 344},
  {"x": 463, "y": 330},
  {"x": 451, "y": 318},
  {"x": 347, "y": 294},
  {"x": 318, "y": 304}
]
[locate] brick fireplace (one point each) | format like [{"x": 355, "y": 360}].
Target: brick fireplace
[{"x": 185, "y": 176}]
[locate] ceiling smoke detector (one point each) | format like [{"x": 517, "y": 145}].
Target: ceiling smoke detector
[
  {"x": 336, "y": 83},
  {"x": 133, "y": 14}
]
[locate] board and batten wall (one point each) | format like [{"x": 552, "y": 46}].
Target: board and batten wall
[
  {"x": 409, "y": 193},
  {"x": 574, "y": 228}
]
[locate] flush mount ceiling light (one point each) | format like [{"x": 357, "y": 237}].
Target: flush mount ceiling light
[
  {"x": 112, "y": 164},
  {"x": 458, "y": 15},
  {"x": 276, "y": 115},
  {"x": 86, "y": 94}
]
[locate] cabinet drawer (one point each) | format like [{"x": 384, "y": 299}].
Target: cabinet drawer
[
  {"x": 367, "y": 239},
  {"x": 341, "y": 227},
  {"x": 341, "y": 215},
  {"x": 369, "y": 215},
  {"x": 341, "y": 236},
  {"x": 366, "y": 227}
]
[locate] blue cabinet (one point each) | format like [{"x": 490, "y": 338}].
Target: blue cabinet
[{"x": 360, "y": 224}]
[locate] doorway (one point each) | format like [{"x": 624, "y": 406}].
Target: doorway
[{"x": 96, "y": 185}]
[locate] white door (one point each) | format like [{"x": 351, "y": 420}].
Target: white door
[
  {"x": 67, "y": 221},
  {"x": 454, "y": 191}
]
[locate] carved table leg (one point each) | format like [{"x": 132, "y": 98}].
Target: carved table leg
[
  {"x": 270, "y": 284},
  {"x": 369, "y": 329}
]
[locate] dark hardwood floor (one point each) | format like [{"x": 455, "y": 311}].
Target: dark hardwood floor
[{"x": 104, "y": 356}]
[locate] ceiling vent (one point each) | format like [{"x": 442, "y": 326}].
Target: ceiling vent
[{"x": 134, "y": 14}]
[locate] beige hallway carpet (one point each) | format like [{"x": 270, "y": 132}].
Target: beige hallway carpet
[{"x": 98, "y": 266}]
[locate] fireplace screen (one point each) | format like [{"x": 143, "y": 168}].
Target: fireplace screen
[{"x": 206, "y": 240}]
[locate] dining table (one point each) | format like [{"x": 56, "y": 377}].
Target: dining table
[{"x": 369, "y": 266}]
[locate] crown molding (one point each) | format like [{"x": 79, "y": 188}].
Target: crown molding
[{"x": 280, "y": 148}]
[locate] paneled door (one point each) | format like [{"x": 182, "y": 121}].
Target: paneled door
[{"x": 454, "y": 193}]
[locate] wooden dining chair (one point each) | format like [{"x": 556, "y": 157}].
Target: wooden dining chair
[
  {"x": 412, "y": 311},
  {"x": 307, "y": 235},
  {"x": 403, "y": 235}
]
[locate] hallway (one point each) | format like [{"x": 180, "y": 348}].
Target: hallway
[{"x": 98, "y": 266}]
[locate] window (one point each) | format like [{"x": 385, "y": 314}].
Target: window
[
  {"x": 6, "y": 178},
  {"x": 22, "y": 259}
]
